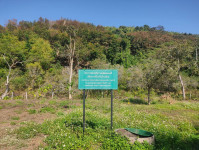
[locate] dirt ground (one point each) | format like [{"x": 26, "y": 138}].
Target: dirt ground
[{"x": 13, "y": 113}]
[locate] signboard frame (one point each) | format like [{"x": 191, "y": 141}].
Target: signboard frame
[{"x": 97, "y": 80}]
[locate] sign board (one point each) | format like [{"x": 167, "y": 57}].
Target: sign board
[{"x": 98, "y": 79}]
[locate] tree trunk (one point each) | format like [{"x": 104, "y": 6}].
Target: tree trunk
[
  {"x": 183, "y": 88},
  {"x": 7, "y": 88},
  {"x": 12, "y": 96},
  {"x": 8, "y": 76},
  {"x": 70, "y": 79},
  {"x": 71, "y": 59},
  {"x": 52, "y": 95},
  {"x": 26, "y": 95},
  {"x": 149, "y": 91}
]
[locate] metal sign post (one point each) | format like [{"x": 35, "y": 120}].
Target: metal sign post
[
  {"x": 84, "y": 111},
  {"x": 111, "y": 109},
  {"x": 97, "y": 79}
]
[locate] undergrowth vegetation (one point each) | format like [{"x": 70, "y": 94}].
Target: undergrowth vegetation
[{"x": 174, "y": 126}]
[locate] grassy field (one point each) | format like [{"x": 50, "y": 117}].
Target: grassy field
[{"x": 57, "y": 124}]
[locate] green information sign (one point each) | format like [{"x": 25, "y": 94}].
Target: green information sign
[{"x": 98, "y": 79}]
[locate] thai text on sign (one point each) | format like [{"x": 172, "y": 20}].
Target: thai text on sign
[{"x": 98, "y": 79}]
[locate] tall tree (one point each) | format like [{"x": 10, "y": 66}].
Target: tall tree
[
  {"x": 182, "y": 54},
  {"x": 72, "y": 48},
  {"x": 153, "y": 70},
  {"x": 177, "y": 55},
  {"x": 12, "y": 52}
]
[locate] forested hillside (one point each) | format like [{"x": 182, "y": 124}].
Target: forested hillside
[{"x": 44, "y": 56}]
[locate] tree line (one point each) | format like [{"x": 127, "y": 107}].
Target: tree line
[{"x": 44, "y": 56}]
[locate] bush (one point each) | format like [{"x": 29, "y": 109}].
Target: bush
[{"x": 19, "y": 83}]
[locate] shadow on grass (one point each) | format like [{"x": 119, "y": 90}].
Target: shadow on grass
[
  {"x": 135, "y": 101},
  {"x": 91, "y": 124}
]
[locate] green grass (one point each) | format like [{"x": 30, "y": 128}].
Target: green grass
[{"x": 174, "y": 126}]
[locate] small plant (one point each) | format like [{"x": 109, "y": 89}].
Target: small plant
[
  {"x": 30, "y": 105},
  {"x": 63, "y": 103},
  {"x": 32, "y": 111},
  {"x": 47, "y": 109},
  {"x": 19, "y": 102},
  {"x": 18, "y": 97},
  {"x": 6, "y": 98},
  {"x": 15, "y": 118},
  {"x": 42, "y": 101},
  {"x": 52, "y": 102},
  {"x": 13, "y": 123},
  {"x": 44, "y": 90},
  {"x": 18, "y": 111},
  {"x": 60, "y": 114}
]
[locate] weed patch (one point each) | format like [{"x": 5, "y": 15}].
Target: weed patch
[
  {"x": 13, "y": 123},
  {"x": 52, "y": 102},
  {"x": 64, "y": 104},
  {"x": 19, "y": 103},
  {"x": 60, "y": 114},
  {"x": 15, "y": 118},
  {"x": 47, "y": 109},
  {"x": 29, "y": 131},
  {"x": 32, "y": 111}
]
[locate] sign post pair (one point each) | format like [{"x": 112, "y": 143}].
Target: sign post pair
[{"x": 97, "y": 80}]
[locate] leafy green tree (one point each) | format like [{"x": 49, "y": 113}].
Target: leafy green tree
[
  {"x": 153, "y": 70},
  {"x": 177, "y": 56},
  {"x": 12, "y": 52},
  {"x": 24, "y": 25},
  {"x": 124, "y": 57},
  {"x": 12, "y": 25},
  {"x": 41, "y": 28},
  {"x": 44, "y": 43},
  {"x": 41, "y": 52}
]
